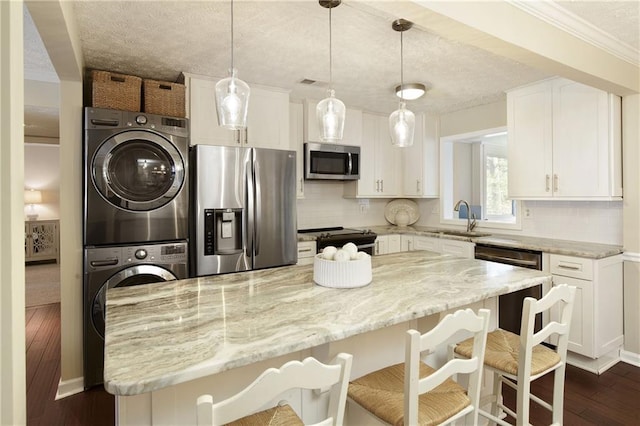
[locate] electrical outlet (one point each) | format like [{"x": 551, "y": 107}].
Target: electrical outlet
[{"x": 527, "y": 213}]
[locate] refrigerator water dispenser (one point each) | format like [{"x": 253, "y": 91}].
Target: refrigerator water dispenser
[{"x": 223, "y": 231}]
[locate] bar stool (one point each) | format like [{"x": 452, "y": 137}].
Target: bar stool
[
  {"x": 247, "y": 407},
  {"x": 518, "y": 360},
  {"x": 412, "y": 392}
]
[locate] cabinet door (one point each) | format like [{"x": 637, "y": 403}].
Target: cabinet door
[
  {"x": 529, "y": 123},
  {"x": 406, "y": 242},
  {"x": 393, "y": 245},
  {"x": 427, "y": 243},
  {"x": 203, "y": 116},
  {"x": 295, "y": 139},
  {"x": 366, "y": 185},
  {"x": 381, "y": 245},
  {"x": 420, "y": 162},
  {"x": 581, "y": 336},
  {"x": 41, "y": 240},
  {"x": 268, "y": 119},
  {"x": 352, "y": 134},
  {"x": 458, "y": 248},
  {"x": 580, "y": 140},
  {"x": 387, "y": 160}
]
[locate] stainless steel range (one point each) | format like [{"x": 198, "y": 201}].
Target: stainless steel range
[{"x": 338, "y": 236}]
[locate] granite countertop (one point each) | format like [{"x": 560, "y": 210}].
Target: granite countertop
[
  {"x": 166, "y": 333},
  {"x": 548, "y": 245}
]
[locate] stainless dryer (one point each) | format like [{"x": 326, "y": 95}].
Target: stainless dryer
[
  {"x": 135, "y": 177},
  {"x": 109, "y": 267}
]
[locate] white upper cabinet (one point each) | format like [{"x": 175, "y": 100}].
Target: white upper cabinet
[
  {"x": 380, "y": 173},
  {"x": 420, "y": 162},
  {"x": 267, "y": 118},
  {"x": 352, "y": 134},
  {"x": 564, "y": 142}
]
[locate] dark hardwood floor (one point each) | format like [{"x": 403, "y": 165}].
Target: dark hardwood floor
[
  {"x": 94, "y": 407},
  {"x": 612, "y": 398}
]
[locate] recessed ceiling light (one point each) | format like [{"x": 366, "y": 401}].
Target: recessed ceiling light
[{"x": 411, "y": 91}]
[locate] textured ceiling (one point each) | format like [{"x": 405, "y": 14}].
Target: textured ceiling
[{"x": 280, "y": 43}]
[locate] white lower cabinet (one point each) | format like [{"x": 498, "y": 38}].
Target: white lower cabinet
[
  {"x": 387, "y": 244},
  {"x": 597, "y": 319},
  {"x": 306, "y": 252},
  {"x": 394, "y": 243}
]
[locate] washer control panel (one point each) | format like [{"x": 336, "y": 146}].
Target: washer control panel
[{"x": 110, "y": 257}]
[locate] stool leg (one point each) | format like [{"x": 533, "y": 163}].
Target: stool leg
[
  {"x": 522, "y": 401},
  {"x": 497, "y": 394},
  {"x": 558, "y": 395}
]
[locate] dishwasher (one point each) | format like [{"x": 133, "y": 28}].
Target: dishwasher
[{"x": 510, "y": 305}]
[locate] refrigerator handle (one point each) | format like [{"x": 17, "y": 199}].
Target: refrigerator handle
[
  {"x": 257, "y": 202},
  {"x": 248, "y": 221}
]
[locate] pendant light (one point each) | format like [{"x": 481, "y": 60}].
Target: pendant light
[
  {"x": 330, "y": 111},
  {"x": 402, "y": 122},
  {"x": 232, "y": 96}
]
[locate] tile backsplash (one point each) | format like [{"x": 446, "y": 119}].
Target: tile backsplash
[{"x": 589, "y": 221}]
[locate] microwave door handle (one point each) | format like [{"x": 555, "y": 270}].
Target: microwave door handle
[{"x": 350, "y": 163}]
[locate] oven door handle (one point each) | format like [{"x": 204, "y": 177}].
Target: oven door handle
[
  {"x": 365, "y": 246},
  {"x": 508, "y": 260}
]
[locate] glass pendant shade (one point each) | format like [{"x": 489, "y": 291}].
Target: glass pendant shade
[
  {"x": 402, "y": 124},
  {"x": 330, "y": 113},
  {"x": 232, "y": 102}
]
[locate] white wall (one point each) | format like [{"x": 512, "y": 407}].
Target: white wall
[{"x": 42, "y": 173}]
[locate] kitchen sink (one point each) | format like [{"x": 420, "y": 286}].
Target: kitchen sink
[{"x": 465, "y": 233}]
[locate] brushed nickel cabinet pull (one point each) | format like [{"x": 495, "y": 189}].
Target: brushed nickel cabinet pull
[
  {"x": 547, "y": 188},
  {"x": 555, "y": 183},
  {"x": 418, "y": 185},
  {"x": 382, "y": 185}
]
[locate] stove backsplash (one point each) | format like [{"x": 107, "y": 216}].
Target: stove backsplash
[{"x": 324, "y": 206}]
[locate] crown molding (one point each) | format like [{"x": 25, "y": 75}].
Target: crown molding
[{"x": 556, "y": 15}]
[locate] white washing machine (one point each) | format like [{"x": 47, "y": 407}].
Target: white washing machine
[
  {"x": 121, "y": 266},
  {"x": 135, "y": 177}
]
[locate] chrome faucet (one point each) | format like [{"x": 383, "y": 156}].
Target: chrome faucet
[{"x": 470, "y": 225}]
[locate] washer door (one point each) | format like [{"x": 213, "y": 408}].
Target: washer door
[
  {"x": 137, "y": 170},
  {"x": 135, "y": 275}
]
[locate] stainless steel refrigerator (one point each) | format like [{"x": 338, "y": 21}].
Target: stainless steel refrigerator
[{"x": 243, "y": 209}]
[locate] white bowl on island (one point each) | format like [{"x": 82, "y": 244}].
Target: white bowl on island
[{"x": 342, "y": 274}]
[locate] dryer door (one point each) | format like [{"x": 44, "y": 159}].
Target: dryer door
[
  {"x": 135, "y": 275},
  {"x": 138, "y": 170}
]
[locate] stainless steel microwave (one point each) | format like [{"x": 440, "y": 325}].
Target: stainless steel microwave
[{"x": 331, "y": 161}]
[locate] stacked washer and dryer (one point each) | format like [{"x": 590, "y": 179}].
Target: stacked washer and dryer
[{"x": 136, "y": 203}]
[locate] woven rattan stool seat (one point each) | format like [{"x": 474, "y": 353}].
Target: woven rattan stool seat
[
  {"x": 502, "y": 353},
  {"x": 381, "y": 392},
  {"x": 282, "y": 415}
]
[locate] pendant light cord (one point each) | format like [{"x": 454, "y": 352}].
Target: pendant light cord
[
  {"x": 231, "y": 35},
  {"x": 330, "y": 55},
  {"x": 401, "y": 67}
]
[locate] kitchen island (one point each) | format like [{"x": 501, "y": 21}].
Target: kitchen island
[{"x": 168, "y": 342}]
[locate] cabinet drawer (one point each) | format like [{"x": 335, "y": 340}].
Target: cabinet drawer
[
  {"x": 426, "y": 243},
  {"x": 568, "y": 266},
  {"x": 306, "y": 249}
]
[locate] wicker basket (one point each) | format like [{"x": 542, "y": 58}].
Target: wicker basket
[
  {"x": 115, "y": 91},
  {"x": 164, "y": 98}
]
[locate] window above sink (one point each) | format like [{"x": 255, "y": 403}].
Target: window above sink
[{"x": 474, "y": 167}]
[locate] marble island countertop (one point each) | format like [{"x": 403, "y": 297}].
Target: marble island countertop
[
  {"x": 548, "y": 245},
  {"x": 162, "y": 334}
]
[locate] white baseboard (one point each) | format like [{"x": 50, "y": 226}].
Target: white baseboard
[
  {"x": 630, "y": 358},
  {"x": 70, "y": 387},
  {"x": 595, "y": 366}
]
